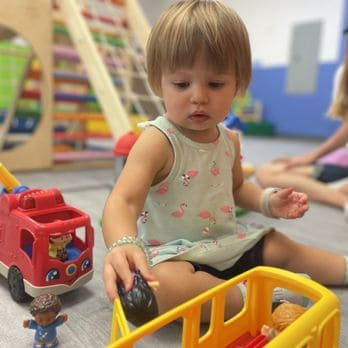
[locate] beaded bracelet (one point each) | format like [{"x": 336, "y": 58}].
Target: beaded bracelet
[
  {"x": 264, "y": 201},
  {"x": 132, "y": 240}
]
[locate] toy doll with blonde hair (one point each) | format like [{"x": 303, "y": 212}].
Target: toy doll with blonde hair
[{"x": 282, "y": 317}]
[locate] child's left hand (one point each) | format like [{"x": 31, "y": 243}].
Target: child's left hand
[{"x": 288, "y": 204}]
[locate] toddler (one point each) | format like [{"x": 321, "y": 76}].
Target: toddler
[{"x": 171, "y": 213}]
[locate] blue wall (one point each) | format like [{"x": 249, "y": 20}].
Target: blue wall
[{"x": 297, "y": 115}]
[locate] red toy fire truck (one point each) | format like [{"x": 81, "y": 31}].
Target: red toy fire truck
[{"x": 45, "y": 244}]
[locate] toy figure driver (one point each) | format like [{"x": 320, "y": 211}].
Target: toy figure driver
[{"x": 57, "y": 247}]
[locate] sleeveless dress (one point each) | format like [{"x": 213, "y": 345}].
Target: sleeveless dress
[{"x": 190, "y": 215}]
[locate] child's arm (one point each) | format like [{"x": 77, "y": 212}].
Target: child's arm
[
  {"x": 246, "y": 194},
  {"x": 335, "y": 141},
  {"x": 148, "y": 163},
  {"x": 283, "y": 203}
]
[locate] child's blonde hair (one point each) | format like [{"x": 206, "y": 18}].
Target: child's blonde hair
[
  {"x": 193, "y": 26},
  {"x": 339, "y": 106}
]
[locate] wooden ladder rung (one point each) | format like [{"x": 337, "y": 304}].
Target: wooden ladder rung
[{"x": 78, "y": 116}]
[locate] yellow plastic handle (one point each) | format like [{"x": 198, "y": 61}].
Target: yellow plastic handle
[{"x": 7, "y": 179}]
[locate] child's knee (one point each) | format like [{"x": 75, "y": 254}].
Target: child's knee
[{"x": 278, "y": 249}]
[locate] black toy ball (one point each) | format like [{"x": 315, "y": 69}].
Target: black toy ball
[{"x": 139, "y": 303}]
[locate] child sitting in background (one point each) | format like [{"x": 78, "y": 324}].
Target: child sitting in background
[
  {"x": 171, "y": 213},
  {"x": 311, "y": 172}
]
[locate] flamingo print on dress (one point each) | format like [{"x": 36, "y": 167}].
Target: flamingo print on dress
[
  {"x": 206, "y": 230},
  {"x": 228, "y": 209},
  {"x": 153, "y": 242},
  {"x": 154, "y": 253},
  {"x": 241, "y": 235},
  {"x": 180, "y": 249},
  {"x": 170, "y": 131},
  {"x": 187, "y": 176},
  {"x": 214, "y": 170},
  {"x": 143, "y": 216},
  {"x": 179, "y": 213},
  {"x": 207, "y": 215},
  {"x": 163, "y": 188}
]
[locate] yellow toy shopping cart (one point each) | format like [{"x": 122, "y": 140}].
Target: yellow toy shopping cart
[{"x": 318, "y": 327}]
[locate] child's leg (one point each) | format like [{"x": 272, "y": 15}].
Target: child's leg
[
  {"x": 344, "y": 188},
  {"x": 322, "y": 266},
  {"x": 299, "y": 178},
  {"x": 179, "y": 283}
]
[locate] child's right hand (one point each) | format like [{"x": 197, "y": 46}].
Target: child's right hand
[{"x": 119, "y": 266}]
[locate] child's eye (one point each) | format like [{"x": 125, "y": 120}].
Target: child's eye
[
  {"x": 216, "y": 84},
  {"x": 181, "y": 84}
]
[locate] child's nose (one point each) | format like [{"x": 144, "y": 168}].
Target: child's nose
[{"x": 199, "y": 95}]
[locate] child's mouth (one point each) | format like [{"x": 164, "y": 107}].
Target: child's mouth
[{"x": 199, "y": 117}]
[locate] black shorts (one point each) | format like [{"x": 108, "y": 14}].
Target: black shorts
[
  {"x": 330, "y": 172},
  {"x": 250, "y": 259}
]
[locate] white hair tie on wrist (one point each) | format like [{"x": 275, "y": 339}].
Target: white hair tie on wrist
[{"x": 264, "y": 201}]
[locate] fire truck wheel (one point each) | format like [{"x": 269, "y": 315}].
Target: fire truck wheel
[{"x": 16, "y": 285}]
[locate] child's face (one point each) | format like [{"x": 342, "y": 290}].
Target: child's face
[
  {"x": 46, "y": 318},
  {"x": 197, "y": 99}
]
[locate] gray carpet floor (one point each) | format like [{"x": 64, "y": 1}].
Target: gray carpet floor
[{"x": 89, "y": 310}]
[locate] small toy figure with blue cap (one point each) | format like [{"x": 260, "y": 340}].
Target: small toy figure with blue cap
[{"x": 45, "y": 308}]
